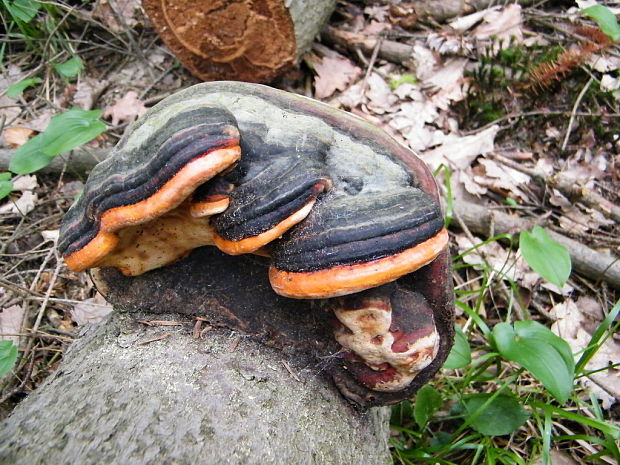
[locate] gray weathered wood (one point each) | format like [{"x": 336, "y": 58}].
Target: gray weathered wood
[{"x": 120, "y": 399}]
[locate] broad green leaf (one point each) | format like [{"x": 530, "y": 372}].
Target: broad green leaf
[
  {"x": 427, "y": 402},
  {"x": 545, "y": 355},
  {"x": 19, "y": 87},
  {"x": 460, "y": 355},
  {"x": 547, "y": 257},
  {"x": 22, "y": 10},
  {"x": 72, "y": 129},
  {"x": 605, "y": 19},
  {"x": 6, "y": 185},
  {"x": 502, "y": 415},
  {"x": 30, "y": 157},
  {"x": 403, "y": 79},
  {"x": 8, "y": 356},
  {"x": 65, "y": 132},
  {"x": 69, "y": 68}
]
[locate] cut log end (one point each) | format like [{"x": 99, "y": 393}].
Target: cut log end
[{"x": 252, "y": 41}]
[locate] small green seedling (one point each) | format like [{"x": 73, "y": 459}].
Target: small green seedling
[
  {"x": 18, "y": 88},
  {"x": 8, "y": 356},
  {"x": 547, "y": 257},
  {"x": 70, "y": 68},
  {"x": 605, "y": 19},
  {"x": 65, "y": 132},
  {"x": 546, "y": 356}
]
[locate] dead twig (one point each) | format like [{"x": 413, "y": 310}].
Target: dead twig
[
  {"x": 570, "y": 189},
  {"x": 154, "y": 339},
  {"x": 573, "y": 111},
  {"x": 161, "y": 323}
]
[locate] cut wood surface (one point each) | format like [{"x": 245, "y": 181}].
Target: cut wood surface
[
  {"x": 128, "y": 393},
  {"x": 243, "y": 40}
]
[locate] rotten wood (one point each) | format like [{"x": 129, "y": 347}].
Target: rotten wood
[{"x": 489, "y": 222}]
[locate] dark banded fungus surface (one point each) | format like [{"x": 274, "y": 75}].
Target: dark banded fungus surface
[{"x": 335, "y": 205}]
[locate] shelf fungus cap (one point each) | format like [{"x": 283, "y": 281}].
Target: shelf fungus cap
[
  {"x": 355, "y": 242},
  {"x": 277, "y": 188},
  {"x": 341, "y": 211},
  {"x": 143, "y": 190}
]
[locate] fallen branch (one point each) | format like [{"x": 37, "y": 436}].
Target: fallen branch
[
  {"x": 568, "y": 187},
  {"x": 586, "y": 261},
  {"x": 388, "y": 49},
  {"x": 399, "y": 52},
  {"x": 79, "y": 161}
]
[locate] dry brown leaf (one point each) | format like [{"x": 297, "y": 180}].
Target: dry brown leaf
[
  {"x": 505, "y": 25},
  {"x": 9, "y": 107},
  {"x": 22, "y": 206},
  {"x": 333, "y": 73},
  {"x": 503, "y": 179},
  {"x": 91, "y": 311},
  {"x": 463, "y": 23},
  {"x": 87, "y": 92},
  {"x": 447, "y": 83},
  {"x": 11, "y": 323},
  {"x": 380, "y": 97},
  {"x": 378, "y": 12},
  {"x": 458, "y": 152},
  {"x": 25, "y": 182},
  {"x": 127, "y": 108},
  {"x": 122, "y": 15},
  {"x": 466, "y": 178},
  {"x": 40, "y": 123},
  {"x": 575, "y": 323},
  {"x": 16, "y": 137},
  {"x": 449, "y": 43},
  {"x": 50, "y": 235},
  {"x": 353, "y": 96}
]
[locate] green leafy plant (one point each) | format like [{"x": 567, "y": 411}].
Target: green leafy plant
[
  {"x": 22, "y": 10},
  {"x": 6, "y": 185},
  {"x": 18, "y": 88},
  {"x": 403, "y": 79},
  {"x": 460, "y": 355},
  {"x": 547, "y": 257},
  {"x": 428, "y": 401},
  {"x": 8, "y": 356},
  {"x": 545, "y": 355},
  {"x": 70, "y": 68},
  {"x": 493, "y": 415},
  {"x": 605, "y": 19},
  {"x": 503, "y": 383},
  {"x": 64, "y": 133}
]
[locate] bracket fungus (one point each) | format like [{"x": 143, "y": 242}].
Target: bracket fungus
[{"x": 341, "y": 221}]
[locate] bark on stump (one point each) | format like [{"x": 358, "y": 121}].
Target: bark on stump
[
  {"x": 128, "y": 393},
  {"x": 245, "y": 40}
]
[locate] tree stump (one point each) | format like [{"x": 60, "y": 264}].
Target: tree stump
[
  {"x": 245, "y": 40},
  {"x": 128, "y": 393}
]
